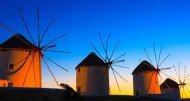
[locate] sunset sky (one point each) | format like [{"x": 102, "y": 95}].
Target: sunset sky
[{"x": 136, "y": 23}]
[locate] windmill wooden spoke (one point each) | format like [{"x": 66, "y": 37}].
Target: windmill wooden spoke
[
  {"x": 160, "y": 55},
  {"x": 176, "y": 73},
  {"x": 98, "y": 52},
  {"x": 53, "y": 40},
  {"x": 186, "y": 77},
  {"x": 167, "y": 75},
  {"x": 56, "y": 51},
  {"x": 155, "y": 56},
  {"x": 38, "y": 17},
  {"x": 114, "y": 50},
  {"x": 11, "y": 32},
  {"x": 116, "y": 80},
  {"x": 120, "y": 66},
  {"x": 119, "y": 56},
  {"x": 164, "y": 60},
  {"x": 34, "y": 73},
  {"x": 187, "y": 89},
  {"x": 103, "y": 47},
  {"x": 118, "y": 61},
  {"x": 28, "y": 31},
  {"x": 148, "y": 56},
  {"x": 184, "y": 74},
  {"x": 165, "y": 68},
  {"x": 119, "y": 74},
  {"x": 50, "y": 72},
  {"x": 150, "y": 80},
  {"x": 28, "y": 69},
  {"x": 56, "y": 63},
  {"x": 47, "y": 28},
  {"x": 179, "y": 70},
  {"x": 107, "y": 46},
  {"x": 22, "y": 59},
  {"x": 47, "y": 47}
]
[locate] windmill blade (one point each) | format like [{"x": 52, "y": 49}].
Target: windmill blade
[
  {"x": 107, "y": 46},
  {"x": 176, "y": 73},
  {"x": 119, "y": 74},
  {"x": 186, "y": 77},
  {"x": 22, "y": 59},
  {"x": 47, "y": 28},
  {"x": 116, "y": 80},
  {"x": 114, "y": 50},
  {"x": 184, "y": 74},
  {"x": 11, "y": 32},
  {"x": 160, "y": 55},
  {"x": 165, "y": 68},
  {"x": 167, "y": 75},
  {"x": 119, "y": 56},
  {"x": 103, "y": 47},
  {"x": 50, "y": 72},
  {"x": 155, "y": 56},
  {"x": 34, "y": 73},
  {"x": 120, "y": 66},
  {"x": 56, "y": 51},
  {"x": 28, "y": 69},
  {"x": 26, "y": 26},
  {"x": 56, "y": 63},
  {"x": 38, "y": 17},
  {"x": 179, "y": 70},
  {"x": 53, "y": 40},
  {"x": 164, "y": 60},
  {"x": 98, "y": 52},
  {"x": 50, "y": 46},
  {"x": 187, "y": 89},
  {"x": 148, "y": 56},
  {"x": 118, "y": 61}
]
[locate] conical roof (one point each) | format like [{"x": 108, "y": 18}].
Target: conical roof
[
  {"x": 17, "y": 41},
  {"x": 144, "y": 66},
  {"x": 168, "y": 83},
  {"x": 91, "y": 60}
]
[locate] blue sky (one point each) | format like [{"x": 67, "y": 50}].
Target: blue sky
[{"x": 136, "y": 23}]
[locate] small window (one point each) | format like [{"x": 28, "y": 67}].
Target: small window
[
  {"x": 79, "y": 90},
  {"x": 10, "y": 84},
  {"x": 11, "y": 66}
]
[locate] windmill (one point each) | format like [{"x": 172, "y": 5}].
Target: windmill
[
  {"x": 146, "y": 76},
  {"x": 108, "y": 59},
  {"x": 24, "y": 57},
  {"x": 182, "y": 81}
]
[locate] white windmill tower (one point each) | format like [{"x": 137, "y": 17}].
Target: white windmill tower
[
  {"x": 20, "y": 60},
  {"x": 143, "y": 75},
  {"x": 98, "y": 73},
  {"x": 148, "y": 75},
  {"x": 87, "y": 82}
]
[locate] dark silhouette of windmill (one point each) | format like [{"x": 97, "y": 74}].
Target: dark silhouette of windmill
[
  {"x": 182, "y": 81},
  {"x": 108, "y": 59},
  {"x": 35, "y": 48}
]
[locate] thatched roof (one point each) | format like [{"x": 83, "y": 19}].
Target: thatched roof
[
  {"x": 17, "y": 41},
  {"x": 168, "y": 83},
  {"x": 91, "y": 60},
  {"x": 144, "y": 66}
]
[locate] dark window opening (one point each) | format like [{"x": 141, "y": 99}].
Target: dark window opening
[
  {"x": 79, "y": 90},
  {"x": 137, "y": 93},
  {"x": 11, "y": 66},
  {"x": 10, "y": 84}
]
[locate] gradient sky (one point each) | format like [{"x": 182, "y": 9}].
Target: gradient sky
[{"x": 136, "y": 23}]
